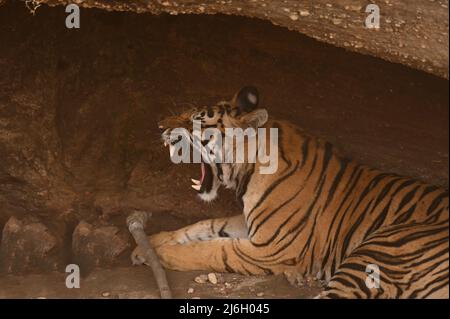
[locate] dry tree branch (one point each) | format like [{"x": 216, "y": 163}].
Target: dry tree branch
[{"x": 136, "y": 223}]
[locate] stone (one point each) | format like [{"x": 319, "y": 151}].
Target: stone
[
  {"x": 201, "y": 279},
  {"x": 212, "y": 278},
  {"x": 294, "y": 16},
  {"x": 30, "y": 245},
  {"x": 304, "y": 13},
  {"x": 101, "y": 245}
]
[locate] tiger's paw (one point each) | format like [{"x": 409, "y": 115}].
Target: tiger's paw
[
  {"x": 137, "y": 257},
  {"x": 164, "y": 253},
  {"x": 155, "y": 241}
]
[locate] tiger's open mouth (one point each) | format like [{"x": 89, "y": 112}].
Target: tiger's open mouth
[
  {"x": 206, "y": 180},
  {"x": 205, "y": 184}
]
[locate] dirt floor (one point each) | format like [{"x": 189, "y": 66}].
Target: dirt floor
[{"x": 78, "y": 139}]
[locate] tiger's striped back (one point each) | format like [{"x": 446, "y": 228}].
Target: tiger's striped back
[{"x": 322, "y": 209}]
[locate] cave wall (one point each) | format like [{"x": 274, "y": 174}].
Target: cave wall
[
  {"x": 79, "y": 144},
  {"x": 411, "y": 32}
]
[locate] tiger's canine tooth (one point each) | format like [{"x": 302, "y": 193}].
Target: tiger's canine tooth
[
  {"x": 196, "y": 182},
  {"x": 196, "y": 187}
]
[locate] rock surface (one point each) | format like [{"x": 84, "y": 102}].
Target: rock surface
[
  {"x": 97, "y": 245},
  {"x": 412, "y": 32},
  {"x": 29, "y": 245}
]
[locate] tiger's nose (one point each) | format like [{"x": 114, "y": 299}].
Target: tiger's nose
[{"x": 161, "y": 128}]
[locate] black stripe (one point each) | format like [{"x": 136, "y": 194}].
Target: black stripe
[
  {"x": 438, "y": 200},
  {"x": 228, "y": 268},
  {"x": 305, "y": 151},
  {"x": 337, "y": 180},
  {"x": 407, "y": 198},
  {"x": 387, "y": 188},
  {"x": 326, "y": 162},
  {"x": 356, "y": 175},
  {"x": 271, "y": 188},
  {"x": 253, "y": 231},
  {"x": 222, "y": 232}
]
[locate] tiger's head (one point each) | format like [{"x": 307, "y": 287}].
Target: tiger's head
[{"x": 241, "y": 112}]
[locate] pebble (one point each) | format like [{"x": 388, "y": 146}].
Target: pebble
[
  {"x": 304, "y": 13},
  {"x": 190, "y": 291},
  {"x": 294, "y": 16},
  {"x": 105, "y": 294},
  {"x": 353, "y": 8},
  {"x": 260, "y": 294},
  {"x": 212, "y": 278},
  {"x": 201, "y": 279}
]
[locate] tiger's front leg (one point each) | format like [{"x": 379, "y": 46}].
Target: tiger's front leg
[
  {"x": 229, "y": 227},
  {"x": 232, "y": 227},
  {"x": 233, "y": 255}
]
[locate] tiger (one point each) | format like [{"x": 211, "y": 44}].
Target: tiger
[{"x": 320, "y": 215}]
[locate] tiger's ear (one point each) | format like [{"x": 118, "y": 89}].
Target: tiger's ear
[
  {"x": 247, "y": 99},
  {"x": 255, "y": 119}
]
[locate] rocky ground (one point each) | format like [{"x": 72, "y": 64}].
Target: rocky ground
[
  {"x": 79, "y": 146},
  {"x": 138, "y": 283}
]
